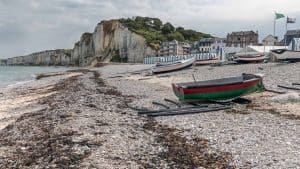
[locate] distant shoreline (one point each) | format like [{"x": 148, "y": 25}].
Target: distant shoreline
[{"x": 12, "y": 76}]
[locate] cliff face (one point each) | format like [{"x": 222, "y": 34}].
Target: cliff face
[
  {"x": 109, "y": 40},
  {"x": 83, "y": 51},
  {"x": 59, "y": 57}
]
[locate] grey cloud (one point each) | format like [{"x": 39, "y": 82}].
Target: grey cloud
[{"x": 31, "y": 25}]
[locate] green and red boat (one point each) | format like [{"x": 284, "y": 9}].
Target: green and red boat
[{"x": 225, "y": 89}]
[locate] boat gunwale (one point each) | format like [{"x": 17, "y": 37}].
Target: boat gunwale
[{"x": 183, "y": 85}]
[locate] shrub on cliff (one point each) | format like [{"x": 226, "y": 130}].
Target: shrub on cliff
[{"x": 155, "y": 32}]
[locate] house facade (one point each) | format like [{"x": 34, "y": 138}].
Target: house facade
[
  {"x": 242, "y": 39},
  {"x": 290, "y": 35},
  {"x": 295, "y": 44},
  {"x": 208, "y": 45},
  {"x": 3, "y": 62},
  {"x": 173, "y": 48},
  {"x": 270, "y": 40}
]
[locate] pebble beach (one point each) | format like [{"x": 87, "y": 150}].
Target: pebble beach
[{"x": 83, "y": 119}]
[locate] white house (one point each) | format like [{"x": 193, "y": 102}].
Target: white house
[
  {"x": 295, "y": 44},
  {"x": 270, "y": 40}
]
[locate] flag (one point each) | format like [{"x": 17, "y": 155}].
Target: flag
[
  {"x": 278, "y": 15},
  {"x": 290, "y": 20}
]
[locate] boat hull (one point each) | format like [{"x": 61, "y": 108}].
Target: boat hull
[
  {"x": 206, "y": 62},
  {"x": 173, "y": 67},
  {"x": 218, "y": 93},
  {"x": 250, "y": 58}
]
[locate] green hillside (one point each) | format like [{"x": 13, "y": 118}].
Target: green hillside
[{"x": 156, "y": 32}]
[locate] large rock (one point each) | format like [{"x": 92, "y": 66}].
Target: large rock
[{"x": 111, "y": 39}]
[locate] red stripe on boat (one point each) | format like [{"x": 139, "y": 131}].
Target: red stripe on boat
[{"x": 218, "y": 88}]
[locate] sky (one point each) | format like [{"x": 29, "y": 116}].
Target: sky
[{"x": 28, "y": 26}]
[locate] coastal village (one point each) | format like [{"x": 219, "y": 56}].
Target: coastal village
[
  {"x": 224, "y": 48},
  {"x": 139, "y": 93}
]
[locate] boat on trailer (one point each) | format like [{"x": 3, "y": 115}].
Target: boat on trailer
[
  {"x": 222, "y": 90},
  {"x": 250, "y": 57},
  {"x": 172, "y": 66}
]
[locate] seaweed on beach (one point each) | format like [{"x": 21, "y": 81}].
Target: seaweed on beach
[
  {"x": 184, "y": 153},
  {"x": 36, "y": 140}
]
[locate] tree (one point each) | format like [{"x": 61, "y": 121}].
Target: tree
[
  {"x": 177, "y": 36},
  {"x": 167, "y": 28}
]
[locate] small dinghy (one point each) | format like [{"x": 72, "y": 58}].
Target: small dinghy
[
  {"x": 209, "y": 61},
  {"x": 250, "y": 57},
  {"x": 225, "y": 89},
  {"x": 172, "y": 66},
  {"x": 286, "y": 55}
]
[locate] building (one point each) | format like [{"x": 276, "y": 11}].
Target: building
[
  {"x": 270, "y": 40},
  {"x": 3, "y": 62},
  {"x": 295, "y": 44},
  {"x": 218, "y": 45},
  {"x": 173, "y": 48},
  {"x": 208, "y": 45},
  {"x": 290, "y": 35},
  {"x": 242, "y": 39}
]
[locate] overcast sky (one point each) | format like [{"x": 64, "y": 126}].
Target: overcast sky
[{"x": 28, "y": 26}]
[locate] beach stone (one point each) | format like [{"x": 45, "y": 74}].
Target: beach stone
[{"x": 290, "y": 96}]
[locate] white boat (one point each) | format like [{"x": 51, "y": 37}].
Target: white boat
[
  {"x": 172, "y": 66},
  {"x": 286, "y": 55},
  {"x": 250, "y": 57},
  {"x": 209, "y": 61}
]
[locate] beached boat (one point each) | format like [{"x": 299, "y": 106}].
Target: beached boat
[
  {"x": 250, "y": 57},
  {"x": 225, "y": 89},
  {"x": 207, "y": 61},
  {"x": 172, "y": 66},
  {"x": 286, "y": 55}
]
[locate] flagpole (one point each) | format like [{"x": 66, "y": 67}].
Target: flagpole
[
  {"x": 285, "y": 31},
  {"x": 274, "y": 26}
]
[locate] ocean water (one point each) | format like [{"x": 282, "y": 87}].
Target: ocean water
[{"x": 10, "y": 75}]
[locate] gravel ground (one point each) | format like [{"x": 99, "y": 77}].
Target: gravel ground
[
  {"x": 80, "y": 119},
  {"x": 76, "y": 120},
  {"x": 257, "y": 137}
]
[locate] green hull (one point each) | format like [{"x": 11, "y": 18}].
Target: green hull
[{"x": 222, "y": 95}]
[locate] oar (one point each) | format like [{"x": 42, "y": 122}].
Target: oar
[
  {"x": 176, "y": 109},
  {"x": 188, "y": 111}
]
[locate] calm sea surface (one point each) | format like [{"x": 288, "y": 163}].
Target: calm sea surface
[{"x": 10, "y": 75}]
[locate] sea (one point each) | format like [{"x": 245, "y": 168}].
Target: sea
[{"x": 12, "y": 75}]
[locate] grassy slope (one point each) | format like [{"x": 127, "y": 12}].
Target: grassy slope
[{"x": 156, "y": 32}]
